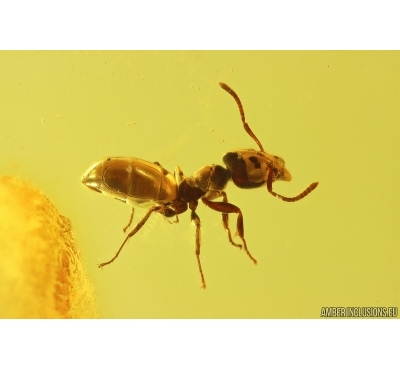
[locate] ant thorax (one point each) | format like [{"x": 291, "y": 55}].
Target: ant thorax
[{"x": 208, "y": 182}]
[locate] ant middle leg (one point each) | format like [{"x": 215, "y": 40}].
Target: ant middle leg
[{"x": 225, "y": 207}]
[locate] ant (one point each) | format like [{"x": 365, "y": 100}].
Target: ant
[{"x": 139, "y": 183}]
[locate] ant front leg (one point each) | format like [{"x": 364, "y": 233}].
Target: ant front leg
[
  {"x": 225, "y": 207},
  {"x": 196, "y": 220}
]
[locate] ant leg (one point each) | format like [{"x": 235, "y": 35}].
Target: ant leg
[
  {"x": 225, "y": 207},
  {"x": 196, "y": 220},
  {"x": 176, "y": 221},
  {"x": 287, "y": 199},
  {"x": 133, "y": 232},
  {"x": 130, "y": 220},
  {"x": 239, "y": 104},
  {"x": 225, "y": 222}
]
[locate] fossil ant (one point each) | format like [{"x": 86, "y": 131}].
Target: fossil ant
[{"x": 144, "y": 184}]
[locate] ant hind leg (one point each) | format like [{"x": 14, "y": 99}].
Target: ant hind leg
[
  {"x": 225, "y": 222},
  {"x": 133, "y": 232},
  {"x": 225, "y": 207}
]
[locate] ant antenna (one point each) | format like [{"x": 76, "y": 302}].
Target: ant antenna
[
  {"x": 239, "y": 104},
  {"x": 286, "y": 199}
]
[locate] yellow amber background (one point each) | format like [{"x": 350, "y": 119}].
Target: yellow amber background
[{"x": 333, "y": 116}]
